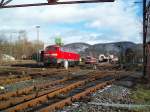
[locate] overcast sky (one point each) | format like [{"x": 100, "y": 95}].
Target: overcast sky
[{"x": 90, "y": 23}]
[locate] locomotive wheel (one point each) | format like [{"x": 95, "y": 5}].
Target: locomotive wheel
[
  {"x": 59, "y": 65},
  {"x": 46, "y": 64}
]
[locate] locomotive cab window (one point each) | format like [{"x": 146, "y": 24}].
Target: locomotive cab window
[
  {"x": 51, "y": 48},
  {"x": 65, "y": 49}
]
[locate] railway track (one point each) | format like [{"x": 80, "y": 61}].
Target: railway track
[
  {"x": 67, "y": 101},
  {"x": 12, "y": 98},
  {"x": 46, "y": 97},
  {"x": 9, "y": 80}
]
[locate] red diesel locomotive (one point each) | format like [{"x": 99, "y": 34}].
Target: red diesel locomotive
[{"x": 56, "y": 55}]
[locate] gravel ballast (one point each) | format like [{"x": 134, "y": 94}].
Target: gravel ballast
[{"x": 113, "y": 98}]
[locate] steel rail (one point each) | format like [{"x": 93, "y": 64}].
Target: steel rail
[
  {"x": 9, "y": 80},
  {"x": 17, "y": 100},
  {"x": 55, "y": 93},
  {"x": 30, "y": 89},
  {"x": 118, "y": 105},
  {"x": 56, "y": 3},
  {"x": 44, "y": 98},
  {"x": 27, "y": 90},
  {"x": 68, "y": 101}
]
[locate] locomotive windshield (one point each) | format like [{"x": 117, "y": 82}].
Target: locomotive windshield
[
  {"x": 52, "y": 48},
  {"x": 66, "y": 49}
]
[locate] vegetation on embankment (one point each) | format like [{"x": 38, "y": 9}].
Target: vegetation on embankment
[{"x": 141, "y": 94}]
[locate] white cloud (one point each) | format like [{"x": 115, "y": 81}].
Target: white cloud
[
  {"x": 117, "y": 18},
  {"x": 123, "y": 22}
]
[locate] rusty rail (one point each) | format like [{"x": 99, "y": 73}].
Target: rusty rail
[
  {"x": 68, "y": 101},
  {"x": 14, "y": 101},
  {"x": 44, "y": 98},
  {"x": 13, "y": 80},
  {"x": 55, "y": 93},
  {"x": 27, "y": 94},
  {"x": 50, "y": 94},
  {"x": 30, "y": 89}
]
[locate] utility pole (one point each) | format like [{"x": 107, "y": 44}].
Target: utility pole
[
  {"x": 37, "y": 46},
  {"x": 38, "y": 30},
  {"x": 121, "y": 55},
  {"x": 10, "y": 45},
  {"x": 144, "y": 35},
  {"x": 144, "y": 38},
  {"x": 147, "y": 40}
]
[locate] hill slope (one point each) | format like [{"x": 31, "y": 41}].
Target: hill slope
[{"x": 103, "y": 48}]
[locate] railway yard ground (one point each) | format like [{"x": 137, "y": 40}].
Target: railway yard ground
[{"x": 31, "y": 87}]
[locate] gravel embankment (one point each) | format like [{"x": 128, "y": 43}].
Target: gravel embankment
[
  {"x": 111, "y": 95},
  {"x": 25, "y": 84}
]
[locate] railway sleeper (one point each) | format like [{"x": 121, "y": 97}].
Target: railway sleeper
[
  {"x": 28, "y": 90},
  {"x": 44, "y": 98},
  {"x": 68, "y": 101},
  {"x": 10, "y": 103},
  {"x": 70, "y": 87}
]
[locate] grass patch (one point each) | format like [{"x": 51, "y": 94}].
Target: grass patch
[{"x": 141, "y": 95}]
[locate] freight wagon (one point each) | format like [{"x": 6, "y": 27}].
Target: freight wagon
[{"x": 56, "y": 55}]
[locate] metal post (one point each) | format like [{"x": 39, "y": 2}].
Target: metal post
[
  {"x": 38, "y": 57},
  {"x": 38, "y": 27},
  {"x": 121, "y": 55},
  {"x": 10, "y": 45},
  {"x": 144, "y": 38},
  {"x": 148, "y": 41},
  {"x": 53, "y": 3}
]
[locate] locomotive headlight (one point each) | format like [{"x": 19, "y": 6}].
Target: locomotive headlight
[
  {"x": 47, "y": 54},
  {"x": 54, "y": 54}
]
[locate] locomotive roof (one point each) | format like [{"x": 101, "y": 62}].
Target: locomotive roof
[{"x": 53, "y": 46}]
